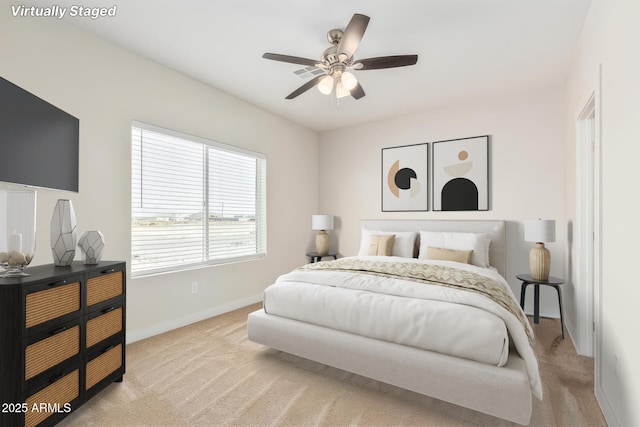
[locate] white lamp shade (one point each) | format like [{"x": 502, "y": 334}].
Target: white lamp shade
[
  {"x": 325, "y": 86},
  {"x": 341, "y": 91},
  {"x": 348, "y": 80},
  {"x": 322, "y": 222},
  {"x": 540, "y": 230}
]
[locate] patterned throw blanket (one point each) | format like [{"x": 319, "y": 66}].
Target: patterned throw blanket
[{"x": 434, "y": 275}]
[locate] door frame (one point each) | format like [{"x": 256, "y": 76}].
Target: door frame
[{"x": 587, "y": 235}]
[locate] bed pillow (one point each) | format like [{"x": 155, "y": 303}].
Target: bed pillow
[
  {"x": 449, "y": 254},
  {"x": 403, "y": 244},
  {"x": 381, "y": 244},
  {"x": 478, "y": 242}
]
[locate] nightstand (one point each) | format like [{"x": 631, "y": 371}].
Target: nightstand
[
  {"x": 554, "y": 282},
  {"x": 314, "y": 257}
]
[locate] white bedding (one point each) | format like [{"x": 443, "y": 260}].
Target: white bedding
[{"x": 436, "y": 318}]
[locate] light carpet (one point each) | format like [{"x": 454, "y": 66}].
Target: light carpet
[{"x": 209, "y": 374}]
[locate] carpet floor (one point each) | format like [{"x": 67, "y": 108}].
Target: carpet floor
[{"x": 209, "y": 374}]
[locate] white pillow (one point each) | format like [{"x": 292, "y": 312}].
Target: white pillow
[
  {"x": 478, "y": 242},
  {"x": 403, "y": 244}
]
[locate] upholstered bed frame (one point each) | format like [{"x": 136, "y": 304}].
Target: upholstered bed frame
[{"x": 503, "y": 392}]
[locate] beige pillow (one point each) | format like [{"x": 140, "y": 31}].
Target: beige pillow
[
  {"x": 449, "y": 254},
  {"x": 381, "y": 244}
]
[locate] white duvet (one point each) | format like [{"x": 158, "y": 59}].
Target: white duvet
[{"x": 436, "y": 318}]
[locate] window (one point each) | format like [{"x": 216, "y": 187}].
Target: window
[{"x": 194, "y": 201}]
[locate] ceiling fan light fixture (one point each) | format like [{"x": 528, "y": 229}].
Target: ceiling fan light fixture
[
  {"x": 337, "y": 58},
  {"x": 325, "y": 85},
  {"x": 348, "y": 80}
]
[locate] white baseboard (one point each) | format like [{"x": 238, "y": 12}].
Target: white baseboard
[
  {"x": 608, "y": 412},
  {"x": 140, "y": 334},
  {"x": 546, "y": 314}
]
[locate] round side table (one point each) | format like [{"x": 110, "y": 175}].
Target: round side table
[
  {"x": 315, "y": 257},
  {"x": 554, "y": 282}
]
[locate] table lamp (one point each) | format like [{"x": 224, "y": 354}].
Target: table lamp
[
  {"x": 540, "y": 231},
  {"x": 322, "y": 223}
]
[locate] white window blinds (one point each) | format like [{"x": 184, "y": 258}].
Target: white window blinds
[{"x": 193, "y": 201}]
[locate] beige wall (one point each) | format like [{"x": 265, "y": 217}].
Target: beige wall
[
  {"x": 526, "y": 170},
  {"x": 106, "y": 88},
  {"x": 610, "y": 38}
]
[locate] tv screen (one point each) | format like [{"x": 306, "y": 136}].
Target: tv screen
[{"x": 39, "y": 143}]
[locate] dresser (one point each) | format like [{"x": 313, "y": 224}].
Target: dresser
[{"x": 62, "y": 339}]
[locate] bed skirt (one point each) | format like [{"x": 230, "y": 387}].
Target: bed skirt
[{"x": 503, "y": 392}]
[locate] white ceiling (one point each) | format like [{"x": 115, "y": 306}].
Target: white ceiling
[{"x": 466, "y": 48}]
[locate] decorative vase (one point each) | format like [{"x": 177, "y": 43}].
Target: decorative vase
[
  {"x": 63, "y": 233},
  {"x": 540, "y": 262},
  {"x": 91, "y": 245},
  {"x": 322, "y": 242},
  {"x": 17, "y": 231}
]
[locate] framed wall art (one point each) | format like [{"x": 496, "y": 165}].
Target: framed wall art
[
  {"x": 405, "y": 178},
  {"x": 461, "y": 174}
]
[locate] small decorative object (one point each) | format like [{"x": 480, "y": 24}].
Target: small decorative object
[
  {"x": 17, "y": 231},
  {"x": 540, "y": 231},
  {"x": 63, "y": 233},
  {"x": 322, "y": 223},
  {"x": 461, "y": 174},
  {"x": 91, "y": 245},
  {"x": 405, "y": 178}
]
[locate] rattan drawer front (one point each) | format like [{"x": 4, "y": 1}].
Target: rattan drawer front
[
  {"x": 48, "y": 352},
  {"x": 52, "y": 303},
  {"x": 103, "y": 365},
  {"x": 65, "y": 390},
  {"x": 104, "y": 326},
  {"x": 104, "y": 287}
]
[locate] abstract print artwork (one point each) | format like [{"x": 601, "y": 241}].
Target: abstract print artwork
[
  {"x": 405, "y": 178},
  {"x": 461, "y": 174}
]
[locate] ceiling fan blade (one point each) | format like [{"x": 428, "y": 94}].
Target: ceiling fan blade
[
  {"x": 385, "y": 62},
  {"x": 305, "y": 87},
  {"x": 357, "y": 92},
  {"x": 290, "y": 59},
  {"x": 353, "y": 34}
]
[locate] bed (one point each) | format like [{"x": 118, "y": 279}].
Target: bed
[{"x": 375, "y": 315}]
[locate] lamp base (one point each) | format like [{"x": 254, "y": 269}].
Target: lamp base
[
  {"x": 540, "y": 262},
  {"x": 322, "y": 242}
]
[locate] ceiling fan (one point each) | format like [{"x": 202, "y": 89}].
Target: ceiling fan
[{"x": 337, "y": 60}]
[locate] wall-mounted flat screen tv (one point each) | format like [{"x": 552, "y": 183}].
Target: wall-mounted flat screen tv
[{"x": 39, "y": 143}]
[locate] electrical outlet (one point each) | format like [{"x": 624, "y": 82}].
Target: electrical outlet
[{"x": 194, "y": 288}]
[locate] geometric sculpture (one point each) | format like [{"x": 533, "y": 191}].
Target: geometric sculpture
[
  {"x": 91, "y": 245},
  {"x": 63, "y": 233}
]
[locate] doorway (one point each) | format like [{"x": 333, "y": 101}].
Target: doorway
[{"x": 587, "y": 226}]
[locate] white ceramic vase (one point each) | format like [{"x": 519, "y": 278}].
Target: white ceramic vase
[
  {"x": 63, "y": 233},
  {"x": 91, "y": 245}
]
